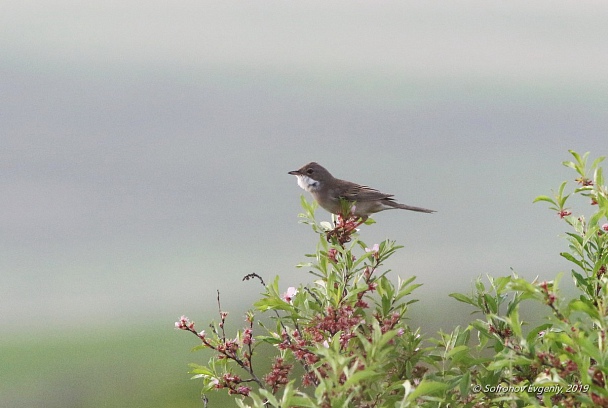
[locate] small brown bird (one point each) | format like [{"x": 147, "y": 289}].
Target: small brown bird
[{"x": 328, "y": 191}]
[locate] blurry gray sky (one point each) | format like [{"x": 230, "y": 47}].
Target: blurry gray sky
[{"x": 144, "y": 146}]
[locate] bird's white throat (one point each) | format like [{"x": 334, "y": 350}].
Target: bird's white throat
[{"x": 308, "y": 184}]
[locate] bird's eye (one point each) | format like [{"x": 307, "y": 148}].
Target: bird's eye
[{"x": 309, "y": 171}]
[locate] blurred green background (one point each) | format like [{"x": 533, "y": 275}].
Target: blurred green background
[
  {"x": 144, "y": 151},
  {"x": 134, "y": 366}
]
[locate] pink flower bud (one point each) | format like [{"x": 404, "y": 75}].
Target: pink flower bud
[{"x": 331, "y": 254}]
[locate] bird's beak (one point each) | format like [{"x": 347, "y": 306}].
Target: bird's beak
[{"x": 295, "y": 173}]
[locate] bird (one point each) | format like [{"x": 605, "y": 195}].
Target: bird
[{"x": 330, "y": 192}]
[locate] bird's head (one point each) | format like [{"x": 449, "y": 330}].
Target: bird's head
[{"x": 311, "y": 176}]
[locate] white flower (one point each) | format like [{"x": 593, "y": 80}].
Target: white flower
[
  {"x": 326, "y": 225},
  {"x": 289, "y": 295},
  {"x": 374, "y": 249}
]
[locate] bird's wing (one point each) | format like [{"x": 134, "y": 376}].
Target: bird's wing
[{"x": 357, "y": 192}]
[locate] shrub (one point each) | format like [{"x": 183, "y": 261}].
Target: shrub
[{"x": 343, "y": 340}]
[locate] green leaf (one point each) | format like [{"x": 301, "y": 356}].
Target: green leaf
[
  {"x": 465, "y": 383},
  {"x": 576, "y": 155},
  {"x": 571, "y": 258},
  {"x": 304, "y": 265},
  {"x": 200, "y": 370},
  {"x": 301, "y": 402},
  {"x": 583, "y": 306},
  {"x": 544, "y": 198},
  {"x": 462, "y": 298},
  {"x": 596, "y": 162},
  {"x": 580, "y": 280},
  {"x": 524, "y": 286},
  {"x": 491, "y": 302},
  {"x": 271, "y": 399},
  {"x": 479, "y": 286},
  {"x": 482, "y": 328},
  {"x": 533, "y": 334},
  {"x": 425, "y": 388},
  {"x": 595, "y": 218},
  {"x": 369, "y": 221},
  {"x": 269, "y": 339},
  {"x": 590, "y": 349},
  {"x": 513, "y": 320},
  {"x": 559, "y": 337},
  {"x": 199, "y": 347},
  {"x": 506, "y": 362},
  {"x": 456, "y": 350},
  {"x": 560, "y": 191},
  {"x": 598, "y": 176},
  {"x": 407, "y": 290},
  {"x": 360, "y": 376}
]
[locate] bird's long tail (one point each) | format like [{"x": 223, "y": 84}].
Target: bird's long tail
[{"x": 408, "y": 207}]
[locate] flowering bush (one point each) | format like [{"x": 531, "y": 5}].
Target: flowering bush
[
  {"x": 564, "y": 360},
  {"x": 342, "y": 341},
  {"x": 345, "y": 333}
]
